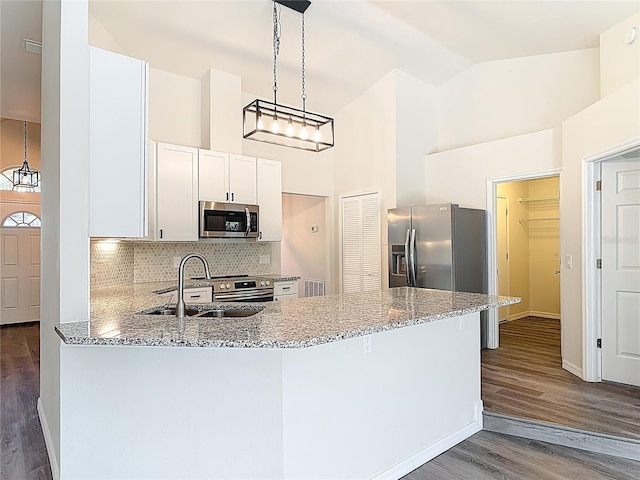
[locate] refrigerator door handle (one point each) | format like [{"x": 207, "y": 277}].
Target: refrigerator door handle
[
  {"x": 412, "y": 257},
  {"x": 407, "y": 257}
]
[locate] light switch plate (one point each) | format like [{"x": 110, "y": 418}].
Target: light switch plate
[
  {"x": 176, "y": 262},
  {"x": 568, "y": 260},
  {"x": 265, "y": 258}
]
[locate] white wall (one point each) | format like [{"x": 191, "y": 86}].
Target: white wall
[
  {"x": 365, "y": 155},
  {"x": 619, "y": 60},
  {"x": 612, "y": 121},
  {"x": 506, "y": 98},
  {"x": 460, "y": 175},
  {"x": 101, "y": 38},
  {"x": 416, "y": 136},
  {"x": 174, "y": 108},
  {"x": 65, "y": 226}
]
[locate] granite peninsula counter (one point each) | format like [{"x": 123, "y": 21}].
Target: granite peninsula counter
[
  {"x": 300, "y": 323},
  {"x": 368, "y": 385}
]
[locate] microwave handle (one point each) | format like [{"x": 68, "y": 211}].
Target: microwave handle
[{"x": 246, "y": 211}]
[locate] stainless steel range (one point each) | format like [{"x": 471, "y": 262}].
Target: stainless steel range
[{"x": 242, "y": 289}]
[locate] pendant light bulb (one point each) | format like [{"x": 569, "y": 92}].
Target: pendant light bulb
[
  {"x": 316, "y": 135},
  {"x": 260, "y": 123},
  {"x": 275, "y": 126},
  {"x": 304, "y": 134},
  {"x": 289, "y": 131}
]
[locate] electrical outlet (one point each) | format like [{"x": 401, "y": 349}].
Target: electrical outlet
[
  {"x": 176, "y": 261},
  {"x": 314, "y": 228},
  {"x": 265, "y": 258},
  {"x": 366, "y": 344}
]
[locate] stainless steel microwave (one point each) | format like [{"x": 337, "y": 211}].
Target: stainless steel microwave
[{"x": 228, "y": 220}]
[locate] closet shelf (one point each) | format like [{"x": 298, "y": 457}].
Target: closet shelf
[
  {"x": 541, "y": 219},
  {"x": 552, "y": 199}
]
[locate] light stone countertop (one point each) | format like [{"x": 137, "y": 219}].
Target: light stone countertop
[{"x": 296, "y": 323}]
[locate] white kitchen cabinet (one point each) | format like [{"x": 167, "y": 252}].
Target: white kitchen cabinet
[
  {"x": 269, "y": 186},
  {"x": 213, "y": 176},
  {"x": 285, "y": 290},
  {"x": 242, "y": 179},
  {"x": 227, "y": 178},
  {"x": 118, "y": 130},
  {"x": 175, "y": 193}
]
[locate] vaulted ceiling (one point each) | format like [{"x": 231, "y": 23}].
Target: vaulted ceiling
[{"x": 349, "y": 44}]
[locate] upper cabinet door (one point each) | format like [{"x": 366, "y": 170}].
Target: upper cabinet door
[
  {"x": 176, "y": 193},
  {"x": 213, "y": 181},
  {"x": 270, "y": 200},
  {"x": 242, "y": 179},
  {"x": 118, "y": 166}
]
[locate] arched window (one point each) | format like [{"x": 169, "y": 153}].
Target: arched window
[
  {"x": 22, "y": 219},
  {"x": 6, "y": 182}
]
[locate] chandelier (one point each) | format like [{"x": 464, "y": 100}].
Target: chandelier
[
  {"x": 25, "y": 178},
  {"x": 271, "y": 122}
]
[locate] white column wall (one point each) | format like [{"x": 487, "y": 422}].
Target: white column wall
[
  {"x": 614, "y": 120},
  {"x": 416, "y": 136},
  {"x": 65, "y": 196}
]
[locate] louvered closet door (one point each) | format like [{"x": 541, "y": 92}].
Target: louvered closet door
[{"x": 360, "y": 243}]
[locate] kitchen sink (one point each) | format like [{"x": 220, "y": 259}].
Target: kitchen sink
[
  {"x": 232, "y": 312},
  {"x": 194, "y": 312},
  {"x": 189, "y": 312}
]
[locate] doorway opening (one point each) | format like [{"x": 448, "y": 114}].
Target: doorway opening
[
  {"x": 305, "y": 246},
  {"x": 528, "y": 247}
]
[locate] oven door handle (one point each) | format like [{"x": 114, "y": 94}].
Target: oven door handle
[{"x": 230, "y": 297}]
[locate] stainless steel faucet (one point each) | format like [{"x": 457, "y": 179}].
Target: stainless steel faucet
[{"x": 180, "y": 302}]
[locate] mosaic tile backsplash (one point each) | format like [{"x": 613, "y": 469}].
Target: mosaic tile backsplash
[
  {"x": 127, "y": 262},
  {"x": 111, "y": 263}
]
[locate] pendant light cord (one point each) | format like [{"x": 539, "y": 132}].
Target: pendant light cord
[
  {"x": 276, "y": 49},
  {"x": 304, "y": 95},
  {"x": 25, "y": 141}
]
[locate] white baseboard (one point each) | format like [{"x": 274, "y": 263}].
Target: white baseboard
[
  {"x": 518, "y": 316},
  {"x": 409, "y": 464},
  {"x": 55, "y": 471},
  {"x": 571, "y": 368},
  {"x": 553, "y": 316}
]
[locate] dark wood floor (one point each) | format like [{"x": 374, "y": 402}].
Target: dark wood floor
[
  {"x": 524, "y": 378},
  {"x": 23, "y": 455},
  {"x": 490, "y": 456},
  {"x": 485, "y": 455}
]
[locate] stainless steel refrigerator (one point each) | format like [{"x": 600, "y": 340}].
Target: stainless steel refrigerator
[{"x": 439, "y": 246}]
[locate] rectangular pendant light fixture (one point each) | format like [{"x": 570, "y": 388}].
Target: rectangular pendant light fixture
[
  {"x": 290, "y": 127},
  {"x": 278, "y": 124}
]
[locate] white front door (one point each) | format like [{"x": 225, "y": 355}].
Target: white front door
[
  {"x": 20, "y": 277},
  {"x": 621, "y": 271},
  {"x": 360, "y": 243},
  {"x": 502, "y": 222}
]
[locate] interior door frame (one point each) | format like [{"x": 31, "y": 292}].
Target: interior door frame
[
  {"x": 493, "y": 329},
  {"x": 591, "y": 276}
]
